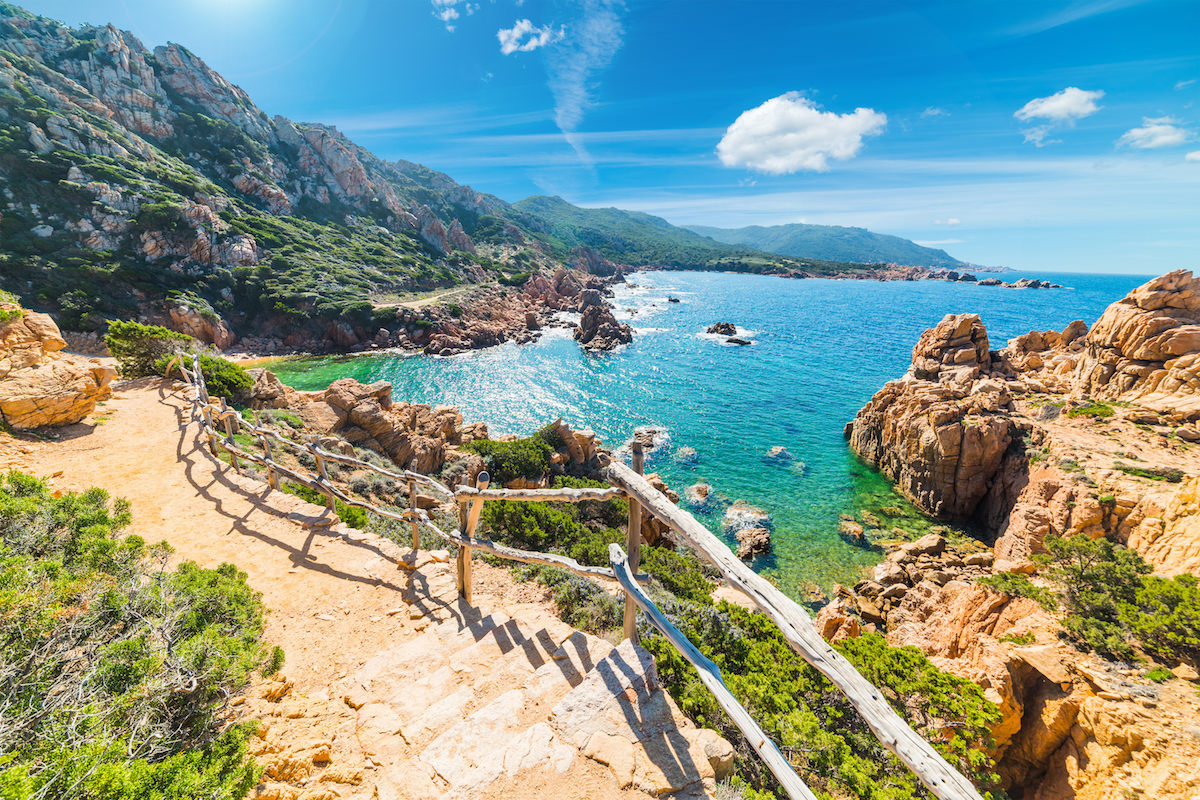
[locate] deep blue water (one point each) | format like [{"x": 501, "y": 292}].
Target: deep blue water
[{"x": 821, "y": 349}]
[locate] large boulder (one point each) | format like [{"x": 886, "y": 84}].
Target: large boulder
[
  {"x": 1145, "y": 348},
  {"x": 40, "y": 386}
]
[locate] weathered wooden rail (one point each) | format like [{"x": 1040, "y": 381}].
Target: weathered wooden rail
[{"x": 893, "y": 732}]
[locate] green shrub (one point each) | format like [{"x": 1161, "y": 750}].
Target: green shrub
[
  {"x": 811, "y": 720},
  {"x": 1098, "y": 578},
  {"x": 222, "y": 377},
  {"x": 527, "y": 458},
  {"x": 1016, "y": 585},
  {"x": 1159, "y": 675},
  {"x": 516, "y": 279},
  {"x": 580, "y": 602},
  {"x": 1168, "y": 474},
  {"x": 117, "y": 669},
  {"x": 8, "y": 315},
  {"x": 1165, "y": 616},
  {"x": 1091, "y": 409},
  {"x": 137, "y": 347},
  {"x": 351, "y": 515}
]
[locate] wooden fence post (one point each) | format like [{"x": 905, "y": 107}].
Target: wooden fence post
[
  {"x": 206, "y": 413},
  {"x": 468, "y": 521},
  {"x": 228, "y": 420},
  {"x": 323, "y": 472},
  {"x": 272, "y": 476},
  {"x": 633, "y": 544},
  {"x": 412, "y": 506}
]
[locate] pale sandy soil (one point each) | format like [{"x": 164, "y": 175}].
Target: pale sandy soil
[{"x": 336, "y": 600}]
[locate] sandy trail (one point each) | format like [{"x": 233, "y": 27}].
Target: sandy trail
[{"x": 342, "y": 610}]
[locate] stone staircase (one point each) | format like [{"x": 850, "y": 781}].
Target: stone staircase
[{"x": 480, "y": 704}]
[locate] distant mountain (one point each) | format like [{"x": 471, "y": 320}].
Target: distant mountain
[
  {"x": 831, "y": 242},
  {"x": 639, "y": 239}
]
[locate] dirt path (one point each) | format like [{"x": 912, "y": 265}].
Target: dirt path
[
  {"x": 373, "y": 650},
  {"x": 436, "y": 297}
]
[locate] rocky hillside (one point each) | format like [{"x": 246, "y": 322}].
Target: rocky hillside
[{"x": 833, "y": 243}]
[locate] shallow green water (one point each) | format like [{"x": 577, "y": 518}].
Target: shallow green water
[{"x": 821, "y": 349}]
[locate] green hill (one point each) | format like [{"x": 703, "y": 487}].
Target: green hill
[
  {"x": 832, "y": 242},
  {"x": 639, "y": 239}
]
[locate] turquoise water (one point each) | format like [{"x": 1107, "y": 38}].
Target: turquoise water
[{"x": 821, "y": 349}]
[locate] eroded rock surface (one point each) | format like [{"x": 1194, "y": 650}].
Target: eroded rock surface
[{"x": 41, "y": 386}]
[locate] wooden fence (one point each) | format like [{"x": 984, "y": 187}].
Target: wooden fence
[{"x": 945, "y": 782}]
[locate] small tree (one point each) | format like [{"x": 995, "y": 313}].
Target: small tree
[{"x": 137, "y": 347}]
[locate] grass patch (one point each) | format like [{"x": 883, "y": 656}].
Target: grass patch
[{"x": 1168, "y": 474}]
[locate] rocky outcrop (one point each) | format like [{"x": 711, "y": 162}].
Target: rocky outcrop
[
  {"x": 1145, "y": 348},
  {"x": 722, "y": 329},
  {"x": 204, "y": 325},
  {"x": 938, "y": 433},
  {"x": 598, "y": 329},
  {"x": 40, "y": 386}
]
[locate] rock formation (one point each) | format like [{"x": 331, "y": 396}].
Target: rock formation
[
  {"x": 598, "y": 329},
  {"x": 1145, "y": 348},
  {"x": 722, "y": 329},
  {"x": 938, "y": 433},
  {"x": 40, "y": 386}
]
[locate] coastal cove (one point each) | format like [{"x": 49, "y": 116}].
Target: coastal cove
[{"x": 820, "y": 349}]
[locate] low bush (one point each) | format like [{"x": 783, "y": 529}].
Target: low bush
[
  {"x": 222, "y": 377},
  {"x": 809, "y": 718},
  {"x": 1159, "y": 675},
  {"x": 8, "y": 315},
  {"x": 580, "y": 602},
  {"x": 527, "y": 458},
  {"x": 1168, "y": 474},
  {"x": 117, "y": 669},
  {"x": 350, "y": 515},
  {"x": 137, "y": 347}
]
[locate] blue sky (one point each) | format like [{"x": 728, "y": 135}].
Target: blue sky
[{"x": 1051, "y": 135}]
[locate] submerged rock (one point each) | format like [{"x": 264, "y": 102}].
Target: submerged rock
[{"x": 778, "y": 453}]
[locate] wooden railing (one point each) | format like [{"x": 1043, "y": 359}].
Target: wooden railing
[{"x": 893, "y": 732}]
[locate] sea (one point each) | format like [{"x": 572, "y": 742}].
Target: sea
[{"x": 820, "y": 349}]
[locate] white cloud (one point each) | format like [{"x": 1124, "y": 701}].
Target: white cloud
[
  {"x": 1193, "y": 156},
  {"x": 1061, "y": 108},
  {"x": 447, "y": 11},
  {"x": 592, "y": 41},
  {"x": 1068, "y": 105},
  {"x": 952, "y": 221},
  {"x": 1184, "y": 84},
  {"x": 1156, "y": 132},
  {"x": 1074, "y": 12},
  {"x": 789, "y": 133},
  {"x": 525, "y": 37},
  {"x": 934, "y": 111}
]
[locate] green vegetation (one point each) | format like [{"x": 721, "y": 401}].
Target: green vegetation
[
  {"x": 507, "y": 461},
  {"x": 832, "y": 243},
  {"x": 1112, "y": 602},
  {"x": 810, "y": 719},
  {"x": 632, "y": 237},
  {"x": 222, "y": 377},
  {"x": 8, "y": 315},
  {"x": 1017, "y": 585},
  {"x": 1168, "y": 474},
  {"x": 1019, "y": 638},
  {"x": 138, "y": 348},
  {"x": 350, "y": 515},
  {"x": 1093, "y": 409},
  {"x": 1159, "y": 675},
  {"x": 117, "y": 669}
]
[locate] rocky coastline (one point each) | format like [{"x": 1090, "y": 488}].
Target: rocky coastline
[{"x": 1060, "y": 433}]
